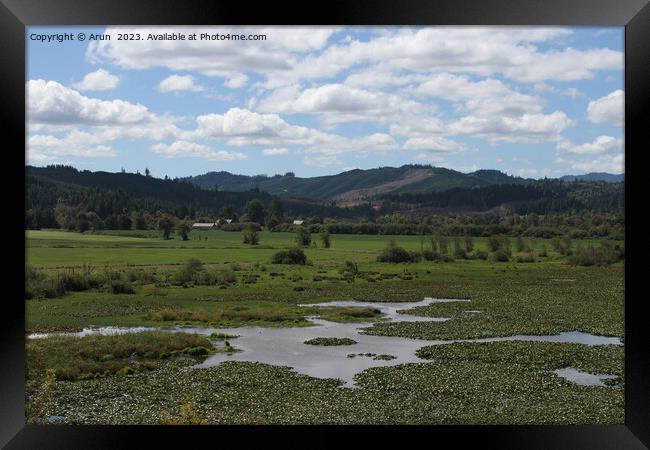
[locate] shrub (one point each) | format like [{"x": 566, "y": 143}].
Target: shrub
[
  {"x": 415, "y": 256},
  {"x": 562, "y": 246},
  {"x": 225, "y": 277},
  {"x": 351, "y": 268},
  {"x": 525, "y": 259},
  {"x": 498, "y": 242},
  {"x": 604, "y": 255},
  {"x": 460, "y": 253},
  {"x": 291, "y": 256},
  {"x": 429, "y": 255},
  {"x": 480, "y": 254},
  {"x": 394, "y": 254},
  {"x": 500, "y": 255},
  {"x": 121, "y": 287}
]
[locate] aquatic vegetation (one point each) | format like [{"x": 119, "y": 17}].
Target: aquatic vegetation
[
  {"x": 78, "y": 358},
  {"x": 330, "y": 341}
]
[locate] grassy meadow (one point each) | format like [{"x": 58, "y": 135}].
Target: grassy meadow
[{"x": 237, "y": 285}]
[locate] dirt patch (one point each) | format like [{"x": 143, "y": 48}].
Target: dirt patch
[{"x": 357, "y": 196}]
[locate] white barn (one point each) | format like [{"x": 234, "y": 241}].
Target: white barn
[
  {"x": 204, "y": 225},
  {"x": 298, "y": 222}
]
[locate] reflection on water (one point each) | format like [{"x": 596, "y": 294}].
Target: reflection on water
[
  {"x": 583, "y": 378},
  {"x": 285, "y": 346}
]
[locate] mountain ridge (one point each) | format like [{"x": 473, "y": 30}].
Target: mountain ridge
[{"x": 357, "y": 185}]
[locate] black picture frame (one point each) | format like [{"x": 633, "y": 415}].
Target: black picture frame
[{"x": 15, "y": 15}]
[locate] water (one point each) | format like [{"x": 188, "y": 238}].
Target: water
[
  {"x": 583, "y": 378},
  {"x": 285, "y": 346}
]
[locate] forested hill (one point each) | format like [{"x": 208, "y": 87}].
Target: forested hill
[
  {"x": 355, "y": 186},
  {"x": 108, "y": 193},
  {"x": 539, "y": 196}
]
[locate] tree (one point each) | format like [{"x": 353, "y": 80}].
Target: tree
[
  {"x": 325, "y": 238},
  {"x": 227, "y": 212},
  {"x": 303, "y": 236},
  {"x": 255, "y": 211},
  {"x": 276, "y": 214},
  {"x": 183, "y": 229},
  {"x": 64, "y": 215},
  {"x": 250, "y": 234},
  {"x": 469, "y": 243},
  {"x": 166, "y": 225},
  {"x": 147, "y": 173}
]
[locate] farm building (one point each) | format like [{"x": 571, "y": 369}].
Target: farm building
[
  {"x": 298, "y": 222},
  {"x": 204, "y": 226}
]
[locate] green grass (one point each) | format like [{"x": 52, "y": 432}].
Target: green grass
[{"x": 59, "y": 248}]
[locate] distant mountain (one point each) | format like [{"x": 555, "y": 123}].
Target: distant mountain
[
  {"x": 356, "y": 186},
  {"x": 595, "y": 176}
]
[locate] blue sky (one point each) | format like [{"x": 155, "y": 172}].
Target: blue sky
[{"x": 530, "y": 101}]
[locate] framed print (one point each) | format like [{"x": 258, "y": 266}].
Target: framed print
[{"x": 360, "y": 217}]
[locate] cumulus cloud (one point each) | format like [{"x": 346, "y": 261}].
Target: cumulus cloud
[
  {"x": 608, "y": 109},
  {"x": 176, "y": 83},
  {"x": 191, "y": 149},
  {"x": 477, "y": 50},
  {"x": 282, "y": 46},
  {"x": 340, "y": 103},
  {"x": 237, "y": 81},
  {"x": 531, "y": 128},
  {"x": 434, "y": 144},
  {"x": 100, "y": 80},
  {"x": 49, "y": 102},
  {"x": 243, "y": 127},
  {"x": 76, "y": 143},
  {"x": 602, "y": 144}
]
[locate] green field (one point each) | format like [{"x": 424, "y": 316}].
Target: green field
[{"x": 547, "y": 296}]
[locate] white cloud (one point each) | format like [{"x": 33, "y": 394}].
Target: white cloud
[
  {"x": 473, "y": 50},
  {"x": 76, "y": 143},
  {"x": 602, "y": 144},
  {"x": 100, "y": 80},
  {"x": 532, "y": 128},
  {"x": 608, "y": 109},
  {"x": 192, "y": 149},
  {"x": 49, "y": 102},
  {"x": 244, "y": 128},
  {"x": 340, "y": 103},
  {"x": 334, "y": 145},
  {"x": 606, "y": 163},
  {"x": 290, "y": 54},
  {"x": 275, "y": 151},
  {"x": 223, "y": 58},
  {"x": 434, "y": 144},
  {"x": 175, "y": 83},
  {"x": 237, "y": 81}
]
